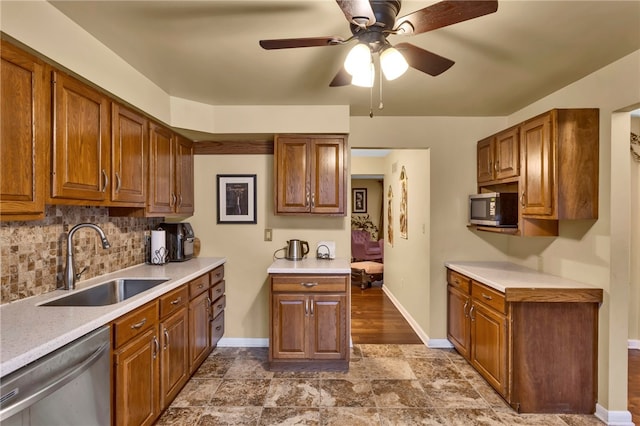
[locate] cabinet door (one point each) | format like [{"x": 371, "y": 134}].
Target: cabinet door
[
  {"x": 458, "y": 321},
  {"x": 489, "y": 345},
  {"x": 23, "y": 134},
  {"x": 507, "y": 154},
  {"x": 161, "y": 197},
  {"x": 129, "y": 146},
  {"x": 328, "y": 326},
  {"x": 184, "y": 176},
  {"x": 289, "y": 324},
  {"x": 327, "y": 176},
  {"x": 538, "y": 166},
  {"x": 137, "y": 381},
  {"x": 292, "y": 175},
  {"x": 81, "y": 144},
  {"x": 174, "y": 364},
  {"x": 199, "y": 339},
  {"x": 484, "y": 159}
]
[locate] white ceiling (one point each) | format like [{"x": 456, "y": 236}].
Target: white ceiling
[{"x": 208, "y": 51}]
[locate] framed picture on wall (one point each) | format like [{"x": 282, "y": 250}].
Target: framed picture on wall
[
  {"x": 359, "y": 200},
  {"x": 236, "y": 198}
]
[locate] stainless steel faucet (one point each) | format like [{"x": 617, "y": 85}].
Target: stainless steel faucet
[{"x": 70, "y": 276}]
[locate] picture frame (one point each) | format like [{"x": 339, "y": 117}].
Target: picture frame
[
  {"x": 359, "y": 200},
  {"x": 236, "y": 199}
]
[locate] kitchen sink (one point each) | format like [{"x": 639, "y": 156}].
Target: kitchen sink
[{"x": 108, "y": 293}]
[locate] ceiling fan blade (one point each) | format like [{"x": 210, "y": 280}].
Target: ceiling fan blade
[
  {"x": 342, "y": 78},
  {"x": 423, "y": 60},
  {"x": 358, "y": 12},
  {"x": 289, "y": 43},
  {"x": 444, "y": 13}
]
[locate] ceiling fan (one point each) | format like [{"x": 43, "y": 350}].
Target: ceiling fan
[{"x": 371, "y": 21}]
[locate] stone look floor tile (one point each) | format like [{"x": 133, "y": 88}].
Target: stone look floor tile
[
  {"x": 580, "y": 420},
  {"x": 434, "y": 369},
  {"x": 410, "y": 416},
  {"x": 399, "y": 394},
  {"x": 389, "y": 368},
  {"x": 235, "y": 392},
  {"x": 346, "y": 393},
  {"x": 381, "y": 351},
  {"x": 470, "y": 417},
  {"x": 289, "y": 416},
  {"x": 214, "y": 367},
  {"x": 249, "y": 368},
  {"x": 179, "y": 416},
  {"x": 513, "y": 418},
  {"x": 453, "y": 394},
  {"x": 216, "y": 416},
  {"x": 293, "y": 393},
  {"x": 196, "y": 393},
  {"x": 421, "y": 351},
  {"x": 349, "y": 416}
]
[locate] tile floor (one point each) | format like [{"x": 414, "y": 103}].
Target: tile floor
[{"x": 385, "y": 385}]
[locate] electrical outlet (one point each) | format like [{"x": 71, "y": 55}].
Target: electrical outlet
[{"x": 268, "y": 234}]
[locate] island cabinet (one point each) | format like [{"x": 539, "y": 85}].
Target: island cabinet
[
  {"x": 24, "y": 134},
  {"x": 536, "y": 346},
  {"x": 309, "y": 320},
  {"x": 310, "y": 174}
]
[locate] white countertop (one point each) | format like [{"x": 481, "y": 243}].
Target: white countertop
[
  {"x": 503, "y": 275},
  {"x": 29, "y": 331},
  {"x": 310, "y": 266}
]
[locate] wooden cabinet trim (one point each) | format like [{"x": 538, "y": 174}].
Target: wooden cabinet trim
[
  {"x": 135, "y": 323},
  {"x": 174, "y": 300}
]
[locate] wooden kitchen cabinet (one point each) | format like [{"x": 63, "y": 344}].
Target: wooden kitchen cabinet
[
  {"x": 218, "y": 304},
  {"x": 199, "y": 318},
  {"x": 534, "y": 346},
  {"x": 24, "y": 134},
  {"x": 498, "y": 157},
  {"x": 81, "y": 154},
  {"x": 129, "y": 152},
  {"x": 309, "y": 319},
  {"x": 310, "y": 174},
  {"x": 170, "y": 173}
]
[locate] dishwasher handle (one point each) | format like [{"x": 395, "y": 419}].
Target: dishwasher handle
[{"x": 47, "y": 389}]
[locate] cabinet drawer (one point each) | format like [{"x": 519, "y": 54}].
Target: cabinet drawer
[
  {"x": 217, "y": 290},
  {"x": 458, "y": 281},
  {"x": 217, "y": 274},
  {"x": 198, "y": 285},
  {"x": 218, "y": 306},
  {"x": 488, "y": 296},
  {"x": 134, "y": 323},
  {"x": 217, "y": 329},
  {"x": 309, "y": 283},
  {"x": 174, "y": 300}
]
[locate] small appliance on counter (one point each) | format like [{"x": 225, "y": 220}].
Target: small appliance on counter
[
  {"x": 294, "y": 250},
  {"x": 180, "y": 240}
]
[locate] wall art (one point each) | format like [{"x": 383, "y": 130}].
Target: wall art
[{"x": 236, "y": 198}]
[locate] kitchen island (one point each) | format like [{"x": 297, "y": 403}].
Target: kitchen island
[
  {"x": 532, "y": 336},
  {"x": 29, "y": 331},
  {"x": 310, "y": 318}
]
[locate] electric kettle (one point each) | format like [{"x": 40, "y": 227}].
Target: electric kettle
[{"x": 296, "y": 249}]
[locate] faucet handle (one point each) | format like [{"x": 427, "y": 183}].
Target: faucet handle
[{"x": 80, "y": 273}]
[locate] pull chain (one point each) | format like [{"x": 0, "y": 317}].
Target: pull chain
[
  {"x": 371, "y": 102},
  {"x": 380, "y": 105}
]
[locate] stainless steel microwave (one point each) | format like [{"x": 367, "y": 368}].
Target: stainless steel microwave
[{"x": 498, "y": 209}]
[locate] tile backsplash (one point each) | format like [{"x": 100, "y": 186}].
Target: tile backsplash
[{"x": 32, "y": 253}]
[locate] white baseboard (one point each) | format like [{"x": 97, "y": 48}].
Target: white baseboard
[
  {"x": 419, "y": 331},
  {"x": 613, "y": 418},
  {"x": 634, "y": 344},
  {"x": 241, "y": 342},
  {"x": 440, "y": 344}
]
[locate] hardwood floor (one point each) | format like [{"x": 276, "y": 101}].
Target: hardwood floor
[
  {"x": 634, "y": 385},
  {"x": 374, "y": 319}
]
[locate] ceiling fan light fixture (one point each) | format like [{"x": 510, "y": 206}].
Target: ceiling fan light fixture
[
  {"x": 364, "y": 77},
  {"x": 392, "y": 63},
  {"x": 358, "y": 59}
]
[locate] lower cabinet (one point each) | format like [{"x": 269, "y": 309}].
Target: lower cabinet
[
  {"x": 157, "y": 347},
  {"x": 536, "y": 347},
  {"x": 309, "y": 319}
]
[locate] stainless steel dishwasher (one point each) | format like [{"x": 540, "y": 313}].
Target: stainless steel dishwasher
[{"x": 70, "y": 386}]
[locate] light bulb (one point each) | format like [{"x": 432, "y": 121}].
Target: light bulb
[
  {"x": 364, "y": 77},
  {"x": 358, "y": 59},
  {"x": 393, "y": 63}
]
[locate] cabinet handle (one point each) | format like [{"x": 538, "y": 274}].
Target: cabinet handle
[
  {"x": 209, "y": 302},
  {"x": 175, "y": 302},
  {"x": 496, "y": 165},
  {"x": 464, "y": 308},
  {"x": 457, "y": 281},
  {"x": 307, "y": 204},
  {"x": 309, "y": 284},
  {"x": 156, "y": 347},
  {"x": 180, "y": 200},
  {"x": 218, "y": 328},
  {"x": 201, "y": 285},
  {"x": 166, "y": 339},
  {"x": 106, "y": 181},
  {"x": 487, "y": 297},
  {"x": 311, "y": 303},
  {"x": 118, "y": 182},
  {"x": 219, "y": 306},
  {"x": 306, "y": 307},
  {"x": 522, "y": 199},
  {"x": 471, "y": 313},
  {"x": 313, "y": 200},
  {"x": 139, "y": 324},
  {"x": 218, "y": 290}
]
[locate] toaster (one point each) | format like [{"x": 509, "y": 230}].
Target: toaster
[{"x": 180, "y": 239}]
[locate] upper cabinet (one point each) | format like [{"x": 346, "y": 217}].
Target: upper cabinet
[
  {"x": 80, "y": 163},
  {"x": 310, "y": 174},
  {"x": 499, "y": 157},
  {"x": 551, "y": 161},
  {"x": 24, "y": 134},
  {"x": 170, "y": 173}
]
